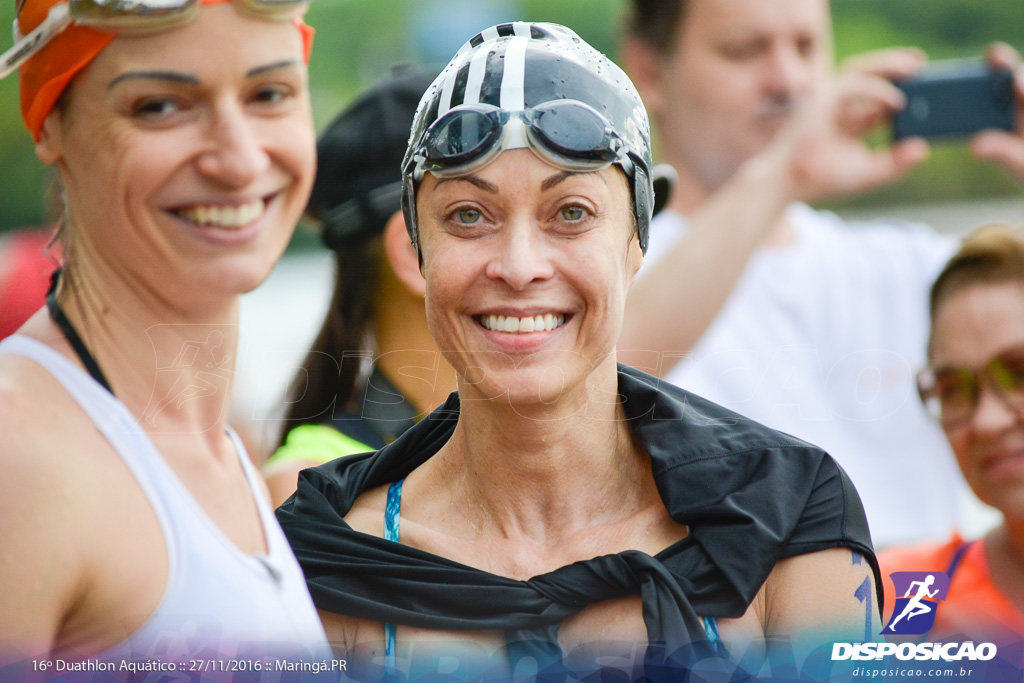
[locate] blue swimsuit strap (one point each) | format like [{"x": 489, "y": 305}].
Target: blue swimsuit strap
[
  {"x": 392, "y": 517},
  {"x": 711, "y": 629}
]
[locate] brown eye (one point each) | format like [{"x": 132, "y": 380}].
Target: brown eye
[
  {"x": 271, "y": 94},
  {"x": 154, "y": 108},
  {"x": 956, "y": 390},
  {"x": 806, "y": 47},
  {"x": 1008, "y": 370}
]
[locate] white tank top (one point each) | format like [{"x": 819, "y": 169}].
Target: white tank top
[{"x": 218, "y": 601}]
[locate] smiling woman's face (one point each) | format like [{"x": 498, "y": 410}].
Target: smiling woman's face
[
  {"x": 187, "y": 155},
  {"x": 527, "y": 269}
]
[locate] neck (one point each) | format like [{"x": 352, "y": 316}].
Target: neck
[
  {"x": 1009, "y": 536},
  {"x": 1005, "y": 551},
  {"x": 406, "y": 353},
  {"x": 543, "y": 472},
  {"x": 691, "y": 194},
  {"x": 172, "y": 368}
]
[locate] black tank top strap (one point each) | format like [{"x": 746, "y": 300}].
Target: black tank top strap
[{"x": 71, "y": 334}]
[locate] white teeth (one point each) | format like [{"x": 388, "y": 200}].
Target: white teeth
[
  {"x": 537, "y": 323},
  {"x": 224, "y": 216}
]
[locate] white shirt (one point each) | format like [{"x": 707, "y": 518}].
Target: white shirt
[
  {"x": 219, "y": 603},
  {"x": 821, "y": 339}
]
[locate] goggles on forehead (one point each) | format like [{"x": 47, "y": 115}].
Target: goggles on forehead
[
  {"x": 951, "y": 393},
  {"x": 567, "y": 134},
  {"x": 122, "y": 16}
]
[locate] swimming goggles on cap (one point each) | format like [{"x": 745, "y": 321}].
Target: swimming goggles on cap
[
  {"x": 567, "y": 134},
  {"x": 123, "y": 16}
]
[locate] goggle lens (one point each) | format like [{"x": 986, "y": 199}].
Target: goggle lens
[
  {"x": 121, "y": 15},
  {"x": 574, "y": 131},
  {"x": 461, "y": 137}
]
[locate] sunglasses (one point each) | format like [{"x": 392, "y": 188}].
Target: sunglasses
[
  {"x": 951, "y": 393},
  {"x": 131, "y": 16},
  {"x": 567, "y": 134}
]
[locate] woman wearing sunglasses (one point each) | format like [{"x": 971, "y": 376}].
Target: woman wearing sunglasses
[
  {"x": 133, "y": 524},
  {"x": 561, "y": 507},
  {"x": 974, "y": 386}
]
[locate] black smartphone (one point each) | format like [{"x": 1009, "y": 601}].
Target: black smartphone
[{"x": 955, "y": 99}]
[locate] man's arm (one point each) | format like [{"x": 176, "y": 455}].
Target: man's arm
[{"x": 819, "y": 155}]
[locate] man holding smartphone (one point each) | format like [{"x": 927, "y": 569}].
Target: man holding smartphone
[{"x": 789, "y": 315}]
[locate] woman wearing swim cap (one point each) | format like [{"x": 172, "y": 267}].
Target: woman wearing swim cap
[
  {"x": 133, "y": 524},
  {"x": 561, "y": 508}
]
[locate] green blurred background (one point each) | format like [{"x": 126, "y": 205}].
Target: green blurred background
[{"x": 359, "y": 40}]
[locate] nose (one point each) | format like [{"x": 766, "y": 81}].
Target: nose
[
  {"x": 234, "y": 154},
  {"x": 522, "y": 257},
  {"x": 789, "y": 71}
]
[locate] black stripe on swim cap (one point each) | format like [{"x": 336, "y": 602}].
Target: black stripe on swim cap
[
  {"x": 459, "y": 91},
  {"x": 494, "y": 77}
]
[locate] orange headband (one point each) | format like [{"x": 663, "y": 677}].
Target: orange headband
[{"x": 45, "y": 76}]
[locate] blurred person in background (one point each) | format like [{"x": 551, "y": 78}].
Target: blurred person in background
[
  {"x": 28, "y": 257},
  {"x": 25, "y": 269},
  {"x": 133, "y": 523},
  {"x": 374, "y": 369},
  {"x": 789, "y": 315},
  {"x": 563, "y": 510},
  {"x": 974, "y": 387}
]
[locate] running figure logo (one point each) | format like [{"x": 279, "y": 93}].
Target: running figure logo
[{"x": 914, "y": 613}]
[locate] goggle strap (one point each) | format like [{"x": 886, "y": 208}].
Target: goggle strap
[
  {"x": 418, "y": 162},
  {"x": 57, "y": 19}
]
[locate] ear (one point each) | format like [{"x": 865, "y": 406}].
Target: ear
[
  {"x": 402, "y": 257},
  {"x": 50, "y": 146},
  {"x": 645, "y": 65},
  {"x": 634, "y": 258}
]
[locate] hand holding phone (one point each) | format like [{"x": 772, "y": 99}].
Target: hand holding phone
[{"x": 956, "y": 99}]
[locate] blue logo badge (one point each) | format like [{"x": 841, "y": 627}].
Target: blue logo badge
[{"x": 914, "y": 613}]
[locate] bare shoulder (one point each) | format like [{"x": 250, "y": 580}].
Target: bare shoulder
[
  {"x": 367, "y": 513},
  {"x": 34, "y": 412},
  {"x": 282, "y": 480},
  {"x": 829, "y": 594},
  {"x": 41, "y": 500}
]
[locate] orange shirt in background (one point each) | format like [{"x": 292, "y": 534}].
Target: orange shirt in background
[{"x": 974, "y": 605}]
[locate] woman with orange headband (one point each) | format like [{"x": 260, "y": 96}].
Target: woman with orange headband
[{"x": 133, "y": 523}]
